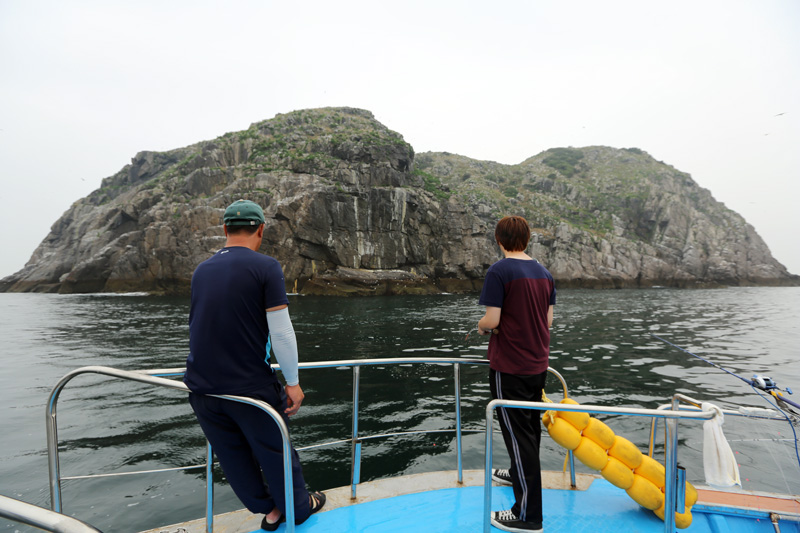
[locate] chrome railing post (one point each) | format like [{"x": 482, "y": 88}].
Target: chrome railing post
[
  {"x": 487, "y": 473},
  {"x": 457, "y": 380},
  {"x": 671, "y": 466},
  {"x": 355, "y": 465},
  {"x": 570, "y": 456},
  {"x": 288, "y": 477},
  {"x": 52, "y": 455},
  {"x": 653, "y": 430},
  {"x": 51, "y": 425},
  {"x": 209, "y": 488},
  {"x": 572, "y": 481}
]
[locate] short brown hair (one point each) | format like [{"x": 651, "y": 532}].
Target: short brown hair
[{"x": 513, "y": 233}]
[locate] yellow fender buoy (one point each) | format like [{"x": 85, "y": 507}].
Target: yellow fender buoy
[
  {"x": 618, "y": 460},
  {"x": 579, "y": 420},
  {"x": 645, "y": 493},
  {"x": 682, "y": 520},
  {"x": 618, "y": 474},
  {"x": 590, "y": 454},
  {"x": 651, "y": 470},
  {"x": 626, "y": 452},
  {"x": 564, "y": 433},
  {"x": 600, "y": 433},
  {"x": 691, "y": 495}
]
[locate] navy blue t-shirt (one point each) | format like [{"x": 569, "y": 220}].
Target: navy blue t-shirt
[
  {"x": 228, "y": 331},
  {"x": 524, "y": 291}
]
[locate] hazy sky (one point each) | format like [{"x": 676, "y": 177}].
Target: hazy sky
[{"x": 710, "y": 87}]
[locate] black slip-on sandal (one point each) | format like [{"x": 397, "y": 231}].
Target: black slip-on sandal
[{"x": 317, "y": 501}]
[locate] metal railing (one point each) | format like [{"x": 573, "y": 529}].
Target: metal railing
[
  {"x": 679, "y": 400},
  {"x": 158, "y": 378},
  {"x": 670, "y": 418},
  {"x": 154, "y": 377},
  {"x": 33, "y": 515}
]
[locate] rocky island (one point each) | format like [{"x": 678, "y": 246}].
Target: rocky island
[{"x": 352, "y": 210}]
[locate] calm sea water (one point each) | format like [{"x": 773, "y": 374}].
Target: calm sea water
[{"x": 602, "y": 344}]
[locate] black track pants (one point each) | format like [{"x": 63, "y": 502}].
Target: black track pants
[{"x": 522, "y": 433}]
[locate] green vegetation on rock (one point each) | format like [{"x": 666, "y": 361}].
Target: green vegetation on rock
[
  {"x": 564, "y": 160},
  {"x": 432, "y": 184}
]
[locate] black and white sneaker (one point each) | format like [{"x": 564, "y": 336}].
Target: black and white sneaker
[
  {"x": 508, "y": 521},
  {"x": 501, "y": 476}
]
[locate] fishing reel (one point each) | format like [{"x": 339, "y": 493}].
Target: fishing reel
[{"x": 766, "y": 384}]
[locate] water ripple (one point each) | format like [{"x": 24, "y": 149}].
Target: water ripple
[{"x": 601, "y": 342}]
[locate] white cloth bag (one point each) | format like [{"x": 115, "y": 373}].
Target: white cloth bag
[{"x": 719, "y": 463}]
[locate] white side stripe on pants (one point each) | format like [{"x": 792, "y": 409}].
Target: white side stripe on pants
[{"x": 515, "y": 452}]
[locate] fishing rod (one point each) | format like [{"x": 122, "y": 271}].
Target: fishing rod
[
  {"x": 490, "y": 332},
  {"x": 763, "y": 383}
]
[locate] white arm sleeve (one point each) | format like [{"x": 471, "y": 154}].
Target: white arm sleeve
[{"x": 284, "y": 344}]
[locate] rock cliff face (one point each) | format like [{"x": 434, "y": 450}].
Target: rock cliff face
[
  {"x": 605, "y": 217},
  {"x": 351, "y": 210}
]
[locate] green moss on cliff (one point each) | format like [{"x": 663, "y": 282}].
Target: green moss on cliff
[
  {"x": 433, "y": 184},
  {"x": 564, "y": 160}
]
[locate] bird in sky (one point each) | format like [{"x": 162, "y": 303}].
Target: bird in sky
[{"x": 779, "y": 114}]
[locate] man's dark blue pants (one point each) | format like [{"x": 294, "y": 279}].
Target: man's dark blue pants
[{"x": 247, "y": 442}]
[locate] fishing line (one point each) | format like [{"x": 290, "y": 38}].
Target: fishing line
[
  {"x": 762, "y": 382},
  {"x": 765, "y": 384},
  {"x": 749, "y": 382},
  {"x": 789, "y": 420}
]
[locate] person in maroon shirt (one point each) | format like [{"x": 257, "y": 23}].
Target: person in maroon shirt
[{"x": 519, "y": 295}]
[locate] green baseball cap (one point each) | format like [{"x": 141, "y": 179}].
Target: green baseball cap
[{"x": 243, "y": 213}]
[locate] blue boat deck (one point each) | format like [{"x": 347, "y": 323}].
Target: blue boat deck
[{"x": 602, "y": 508}]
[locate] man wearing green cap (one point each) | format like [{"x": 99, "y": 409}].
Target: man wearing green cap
[{"x": 238, "y": 309}]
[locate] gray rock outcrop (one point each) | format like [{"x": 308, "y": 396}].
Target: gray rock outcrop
[{"x": 351, "y": 210}]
